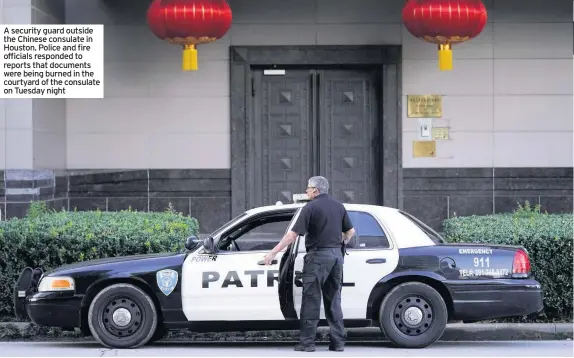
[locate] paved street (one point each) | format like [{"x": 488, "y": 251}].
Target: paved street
[{"x": 440, "y": 349}]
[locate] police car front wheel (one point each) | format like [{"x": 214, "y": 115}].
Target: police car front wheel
[
  {"x": 122, "y": 316},
  {"x": 413, "y": 315}
]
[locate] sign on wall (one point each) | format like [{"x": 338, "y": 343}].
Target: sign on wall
[
  {"x": 424, "y": 106},
  {"x": 440, "y": 133},
  {"x": 424, "y": 148}
]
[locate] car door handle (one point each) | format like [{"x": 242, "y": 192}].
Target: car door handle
[
  {"x": 262, "y": 262},
  {"x": 376, "y": 261}
]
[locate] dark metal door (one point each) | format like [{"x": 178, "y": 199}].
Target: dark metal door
[
  {"x": 313, "y": 122},
  {"x": 280, "y": 145},
  {"x": 349, "y": 134}
]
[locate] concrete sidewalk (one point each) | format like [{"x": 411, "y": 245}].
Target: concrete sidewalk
[
  {"x": 517, "y": 349},
  {"x": 454, "y": 332}
]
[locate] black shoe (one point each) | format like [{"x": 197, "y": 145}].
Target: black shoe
[
  {"x": 302, "y": 348},
  {"x": 336, "y": 349}
]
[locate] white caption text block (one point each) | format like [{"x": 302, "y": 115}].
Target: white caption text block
[{"x": 52, "y": 61}]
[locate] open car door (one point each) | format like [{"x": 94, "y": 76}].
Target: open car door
[
  {"x": 232, "y": 283},
  {"x": 286, "y": 276}
]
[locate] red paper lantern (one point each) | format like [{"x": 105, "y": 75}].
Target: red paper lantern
[
  {"x": 189, "y": 23},
  {"x": 444, "y": 22}
]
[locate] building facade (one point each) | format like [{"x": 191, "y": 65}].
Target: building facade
[{"x": 229, "y": 137}]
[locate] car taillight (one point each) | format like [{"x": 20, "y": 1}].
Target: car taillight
[{"x": 521, "y": 264}]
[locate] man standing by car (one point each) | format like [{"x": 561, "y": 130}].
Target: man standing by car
[{"x": 327, "y": 227}]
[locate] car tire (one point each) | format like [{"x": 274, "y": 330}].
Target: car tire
[
  {"x": 159, "y": 334},
  {"x": 413, "y": 315},
  {"x": 122, "y": 316}
]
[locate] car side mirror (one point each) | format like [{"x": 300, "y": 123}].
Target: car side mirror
[
  {"x": 191, "y": 242},
  {"x": 209, "y": 245}
]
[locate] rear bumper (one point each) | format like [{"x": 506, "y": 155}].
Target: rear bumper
[
  {"x": 490, "y": 299},
  {"x": 55, "y": 309}
]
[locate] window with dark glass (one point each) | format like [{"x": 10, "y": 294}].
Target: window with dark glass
[{"x": 368, "y": 233}]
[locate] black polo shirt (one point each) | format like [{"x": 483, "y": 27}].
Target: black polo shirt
[{"x": 323, "y": 219}]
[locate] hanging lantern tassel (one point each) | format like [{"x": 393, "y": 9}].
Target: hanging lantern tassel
[
  {"x": 189, "y": 58},
  {"x": 444, "y": 57}
]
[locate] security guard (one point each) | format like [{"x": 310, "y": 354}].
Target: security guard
[{"x": 327, "y": 225}]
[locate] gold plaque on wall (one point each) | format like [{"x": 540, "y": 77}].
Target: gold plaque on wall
[
  {"x": 424, "y": 106},
  {"x": 424, "y": 148},
  {"x": 440, "y": 133}
]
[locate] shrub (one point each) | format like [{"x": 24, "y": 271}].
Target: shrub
[
  {"x": 548, "y": 240},
  {"x": 51, "y": 239}
]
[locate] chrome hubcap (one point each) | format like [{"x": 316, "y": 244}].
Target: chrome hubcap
[
  {"x": 122, "y": 317},
  {"x": 413, "y": 316}
]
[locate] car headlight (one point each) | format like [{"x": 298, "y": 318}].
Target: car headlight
[{"x": 61, "y": 283}]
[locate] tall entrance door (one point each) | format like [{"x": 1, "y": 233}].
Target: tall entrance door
[{"x": 314, "y": 122}]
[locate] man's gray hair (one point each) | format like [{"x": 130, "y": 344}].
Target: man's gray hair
[{"x": 321, "y": 183}]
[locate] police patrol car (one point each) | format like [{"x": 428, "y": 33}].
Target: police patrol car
[{"x": 399, "y": 275}]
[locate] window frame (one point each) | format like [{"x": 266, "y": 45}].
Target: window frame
[
  {"x": 383, "y": 228},
  {"x": 247, "y": 221},
  {"x": 231, "y": 223},
  {"x": 434, "y": 236},
  {"x": 300, "y": 249}
]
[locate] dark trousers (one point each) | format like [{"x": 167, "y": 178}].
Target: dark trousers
[{"x": 322, "y": 273}]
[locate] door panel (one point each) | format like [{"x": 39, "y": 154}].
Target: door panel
[
  {"x": 234, "y": 285},
  {"x": 280, "y": 137},
  {"x": 349, "y": 134},
  {"x": 314, "y": 122}
]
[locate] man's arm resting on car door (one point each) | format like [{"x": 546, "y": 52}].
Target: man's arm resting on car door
[
  {"x": 348, "y": 229},
  {"x": 300, "y": 228}
]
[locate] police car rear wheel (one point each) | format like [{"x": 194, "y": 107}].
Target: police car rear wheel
[
  {"x": 413, "y": 315},
  {"x": 122, "y": 316}
]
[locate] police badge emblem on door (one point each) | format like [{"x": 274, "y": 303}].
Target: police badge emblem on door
[{"x": 166, "y": 281}]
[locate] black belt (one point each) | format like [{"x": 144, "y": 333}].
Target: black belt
[
  {"x": 323, "y": 248},
  {"x": 343, "y": 249}
]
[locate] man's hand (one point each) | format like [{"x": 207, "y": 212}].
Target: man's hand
[
  {"x": 287, "y": 239},
  {"x": 346, "y": 237},
  {"x": 269, "y": 257}
]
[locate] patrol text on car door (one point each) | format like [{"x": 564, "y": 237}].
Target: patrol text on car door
[{"x": 232, "y": 284}]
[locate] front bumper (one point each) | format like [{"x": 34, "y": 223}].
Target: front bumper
[
  {"x": 48, "y": 309},
  {"x": 55, "y": 309},
  {"x": 483, "y": 300}
]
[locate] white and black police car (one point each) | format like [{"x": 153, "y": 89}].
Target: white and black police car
[{"x": 399, "y": 275}]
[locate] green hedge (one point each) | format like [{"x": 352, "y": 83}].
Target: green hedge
[
  {"x": 548, "y": 239},
  {"x": 51, "y": 239}
]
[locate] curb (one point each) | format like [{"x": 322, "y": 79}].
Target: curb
[
  {"x": 453, "y": 333},
  {"x": 491, "y": 332}
]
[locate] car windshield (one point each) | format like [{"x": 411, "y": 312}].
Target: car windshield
[
  {"x": 228, "y": 223},
  {"x": 433, "y": 235}
]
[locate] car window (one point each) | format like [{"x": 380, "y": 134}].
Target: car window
[
  {"x": 260, "y": 234},
  {"x": 227, "y": 224},
  {"x": 406, "y": 231},
  {"x": 368, "y": 232},
  {"x": 433, "y": 235}
]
